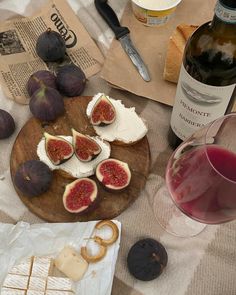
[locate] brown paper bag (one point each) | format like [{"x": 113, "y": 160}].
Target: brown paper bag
[{"x": 151, "y": 42}]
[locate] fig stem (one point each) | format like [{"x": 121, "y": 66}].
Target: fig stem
[{"x": 49, "y": 30}]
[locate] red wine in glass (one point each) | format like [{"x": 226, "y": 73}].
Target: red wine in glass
[{"x": 202, "y": 183}]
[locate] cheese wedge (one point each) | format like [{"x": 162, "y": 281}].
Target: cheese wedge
[
  {"x": 37, "y": 283},
  {"x": 60, "y": 284},
  {"x": 71, "y": 263},
  {"x": 23, "y": 268},
  {"x": 53, "y": 292},
  {"x": 16, "y": 281},
  {"x": 40, "y": 269},
  {"x": 34, "y": 292},
  {"x": 8, "y": 291},
  {"x": 42, "y": 259}
]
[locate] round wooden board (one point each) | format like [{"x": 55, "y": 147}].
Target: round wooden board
[{"x": 49, "y": 206}]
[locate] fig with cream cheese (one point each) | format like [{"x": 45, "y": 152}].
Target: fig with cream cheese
[
  {"x": 86, "y": 148},
  {"x": 58, "y": 149},
  {"x": 80, "y": 195},
  {"x": 103, "y": 112},
  {"x": 113, "y": 174}
]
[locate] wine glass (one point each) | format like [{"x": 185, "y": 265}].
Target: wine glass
[{"x": 200, "y": 181}]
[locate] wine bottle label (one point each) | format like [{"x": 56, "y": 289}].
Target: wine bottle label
[
  {"x": 197, "y": 104},
  {"x": 225, "y": 14}
]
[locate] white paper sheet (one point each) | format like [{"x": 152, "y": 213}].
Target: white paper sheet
[{"x": 24, "y": 240}]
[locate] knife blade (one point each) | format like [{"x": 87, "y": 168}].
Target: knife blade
[{"x": 122, "y": 34}]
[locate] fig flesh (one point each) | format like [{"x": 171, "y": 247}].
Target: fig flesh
[
  {"x": 146, "y": 259},
  {"x": 39, "y": 79},
  {"x": 80, "y": 195},
  {"x": 58, "y": 149},
  {"x": 113, "y": 174},
  {"x": 86, "y": 148},
  {"x": 103, "y": 112},
  {"x": 50, "y": 46},
  {"x": 70, "y": 80},
  {"x": 33, "y": 178},
  {"x": 7, "y": 124},
  {"x": 46, "y": 104}
]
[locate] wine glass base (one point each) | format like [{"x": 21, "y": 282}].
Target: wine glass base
[{"x": 172, "y": 219}]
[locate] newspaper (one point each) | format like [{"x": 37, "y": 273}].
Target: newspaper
[{"x": 18, "y": 57}]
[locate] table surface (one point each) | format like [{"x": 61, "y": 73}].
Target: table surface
[{"x": 205, "y": 264}]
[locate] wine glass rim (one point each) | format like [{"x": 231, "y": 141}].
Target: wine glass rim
[{"x": 206, "y": 144}]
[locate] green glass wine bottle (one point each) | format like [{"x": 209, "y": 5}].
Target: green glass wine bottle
[{"x": 207, "y": 83}]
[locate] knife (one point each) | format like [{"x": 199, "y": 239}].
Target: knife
[{"x": 122, "y": 34}]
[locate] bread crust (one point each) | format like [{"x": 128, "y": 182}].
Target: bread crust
[{"x": 175, "y": 51}]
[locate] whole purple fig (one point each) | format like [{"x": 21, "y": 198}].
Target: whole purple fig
[
  {"x": 39, "y": 78},
  {"x": 33, "y": 178},
  {"x": 70, "y": 80},
  {"x": 7, "y": 124},
  {"x": 50, "y": 46},
  {"x": 46, "y": 104}
]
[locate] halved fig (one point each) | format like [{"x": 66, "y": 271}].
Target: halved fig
[
  {"x": 86, "y": 148},
  {"x": 103, "y": 112},
  {"x": 113, "y": 174},
  {"x": 79, "y": 195},
  {"x": 58, "y": 149}
]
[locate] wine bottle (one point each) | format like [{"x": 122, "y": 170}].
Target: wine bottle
[{"x": 207, "y": 83}]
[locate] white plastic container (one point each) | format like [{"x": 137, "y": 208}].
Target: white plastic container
[{"x": 154, "y": 12}]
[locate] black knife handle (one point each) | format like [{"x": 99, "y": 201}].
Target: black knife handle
[{"x": 111, "y": 19}]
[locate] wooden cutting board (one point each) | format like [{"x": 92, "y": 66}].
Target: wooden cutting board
[{"x": 49, "y": 206}]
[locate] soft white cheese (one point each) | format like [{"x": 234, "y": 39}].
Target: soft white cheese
[
  {"x": 128, "y": 127},
  {"x": 43, "y": 259},
  {"x": 8, "y": 291},
  {"x": 40, "y": 269},
  {"x": 74, "y": 166},
  {"x": 34, "y": 292},
  {"x": 60, "y": 284},
  {"x": 23, "y": 268},
  {"x": 55, "y": 292},
  {"x": 37, "y": 284},
  {"x": 16, "y": 282}
]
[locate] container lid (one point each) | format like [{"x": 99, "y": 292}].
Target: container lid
[{"x": 157, "y": 4}]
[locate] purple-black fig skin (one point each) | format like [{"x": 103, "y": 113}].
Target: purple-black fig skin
[
  {"x": 40, "y": 78},
  {"x": 33, "y": 178},
  {"x": 46, "y": 104},
  {"x": 7, "y": 124},
  {"x": 146, "y": 259},
  {"x": 51, "y": 46},
  {"x": 70, "y": 80}
]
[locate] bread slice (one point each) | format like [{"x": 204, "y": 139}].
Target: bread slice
[{"x": 175, "y": 51}]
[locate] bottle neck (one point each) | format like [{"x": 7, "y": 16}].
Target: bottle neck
[
  {"x": 224, "y": 19},
  {"x": 222, "y": 27}
]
